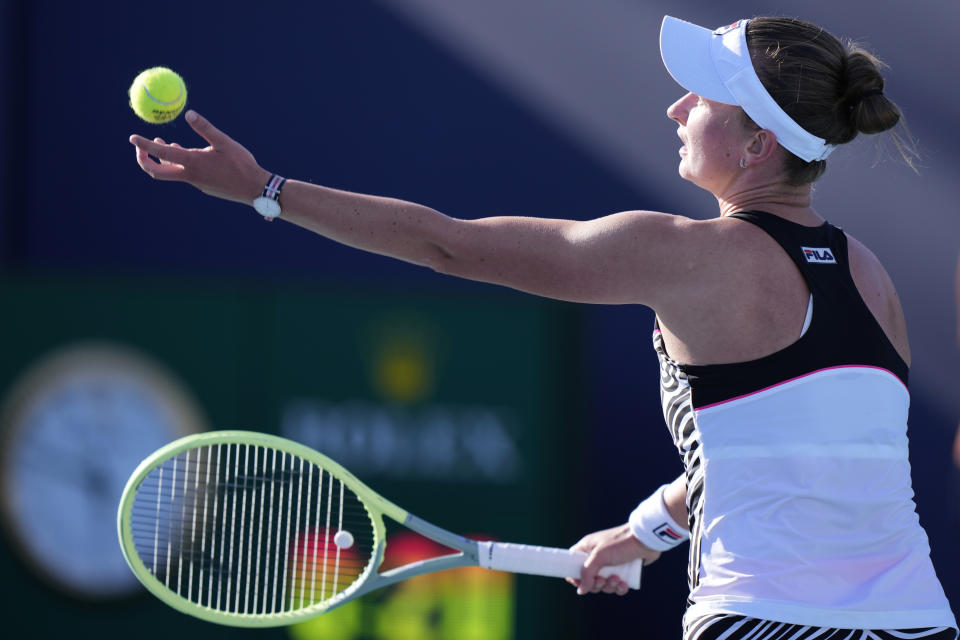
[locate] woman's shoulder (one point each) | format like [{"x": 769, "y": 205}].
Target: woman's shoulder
[
  {"x": 868, "y": 272},
  {"x": 879, "y": 293}
]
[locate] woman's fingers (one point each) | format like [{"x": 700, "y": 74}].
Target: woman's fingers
[
  {"x": 607, "y": 548},
  {"x": 207, "y": 131},
  {"x": 609, "y": 584},
  {"x": 224, "y": 169},
  {"x": 161, "y": 150},
  {"x": 615, "y": 585},
  {"x": 168, "y": 164}
]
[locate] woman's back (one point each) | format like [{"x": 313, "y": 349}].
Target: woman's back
[
  {"x": 798, "y": 481},
  {"x": 753, "y": 300}
]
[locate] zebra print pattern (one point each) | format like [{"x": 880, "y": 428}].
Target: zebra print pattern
[
  {"x": 676, "y": 401},
  {"x": 733, "y": 627}
]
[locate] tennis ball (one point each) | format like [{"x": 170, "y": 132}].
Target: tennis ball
[{"x": 158, "y": 95}]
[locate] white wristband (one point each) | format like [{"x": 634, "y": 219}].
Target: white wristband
[{"x": 652, "y": 525}]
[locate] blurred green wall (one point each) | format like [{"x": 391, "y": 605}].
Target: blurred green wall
[{"x": 455, "y": 406}]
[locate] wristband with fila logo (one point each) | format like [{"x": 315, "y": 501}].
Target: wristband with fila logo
[{"x": 652, "y": 525}]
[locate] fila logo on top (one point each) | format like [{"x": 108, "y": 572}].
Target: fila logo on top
[{"x": 819, "y": 255}]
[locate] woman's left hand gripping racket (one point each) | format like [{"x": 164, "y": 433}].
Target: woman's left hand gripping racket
[{"x": 249, "y": 529}]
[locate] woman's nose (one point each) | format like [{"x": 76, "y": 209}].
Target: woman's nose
[{"x": 679, "y": 110}]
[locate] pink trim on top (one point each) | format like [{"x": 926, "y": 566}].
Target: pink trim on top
[{"x": 780, "y": 384}]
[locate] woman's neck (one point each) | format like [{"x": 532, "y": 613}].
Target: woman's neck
[{"x": 789, "y": 202}]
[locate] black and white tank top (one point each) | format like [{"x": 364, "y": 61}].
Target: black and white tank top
[{"x": 798, "y": 485}]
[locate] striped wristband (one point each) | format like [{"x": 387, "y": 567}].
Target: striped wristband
[{"x": 652, "y": 525}]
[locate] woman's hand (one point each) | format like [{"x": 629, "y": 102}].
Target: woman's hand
[
  {"x": 607, "y": 548},
  {"x": 224, "y": 169}
]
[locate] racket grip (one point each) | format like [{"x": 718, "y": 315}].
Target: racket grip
[{"x": 549, "y": 561}]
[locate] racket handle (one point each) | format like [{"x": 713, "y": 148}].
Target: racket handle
[{"x": 549, "y": 561}]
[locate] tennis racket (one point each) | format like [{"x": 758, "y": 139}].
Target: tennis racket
[{"x": 253, "y": 530}]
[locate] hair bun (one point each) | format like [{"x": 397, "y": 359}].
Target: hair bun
[
  {"x": 869, "y": 109},
  {"x": 832, "y": 89}
]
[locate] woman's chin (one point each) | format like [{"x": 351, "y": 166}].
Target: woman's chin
[{"x": 691, "y": 176}]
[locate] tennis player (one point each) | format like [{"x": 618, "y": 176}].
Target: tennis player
[{"x": 782, "y": 344}]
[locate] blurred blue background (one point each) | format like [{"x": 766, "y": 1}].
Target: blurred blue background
[{"x": 528, "y": 107}]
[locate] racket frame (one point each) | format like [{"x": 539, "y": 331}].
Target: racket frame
[
  {"x": 376, "y": 506},
  {"x": 544, "y": 561}
]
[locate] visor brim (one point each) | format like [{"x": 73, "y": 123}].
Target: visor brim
[{"x": 685, "y": 49}]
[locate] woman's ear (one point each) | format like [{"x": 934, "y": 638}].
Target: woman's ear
[{"x": 761, "y": 147}]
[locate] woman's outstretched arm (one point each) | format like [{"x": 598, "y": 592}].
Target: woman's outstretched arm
[{"x": 622, "y": 258}]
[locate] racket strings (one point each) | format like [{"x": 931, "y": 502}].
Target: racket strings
[{"x": 250, "y": 530}]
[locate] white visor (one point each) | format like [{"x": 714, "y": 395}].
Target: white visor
[{"x": 716, "y": 65}]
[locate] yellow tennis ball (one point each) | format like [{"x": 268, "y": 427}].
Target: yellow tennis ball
[{"x": 158, "y": 95}]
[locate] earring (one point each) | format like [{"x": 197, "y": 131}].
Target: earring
[{"x": 743, "y": 165}]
